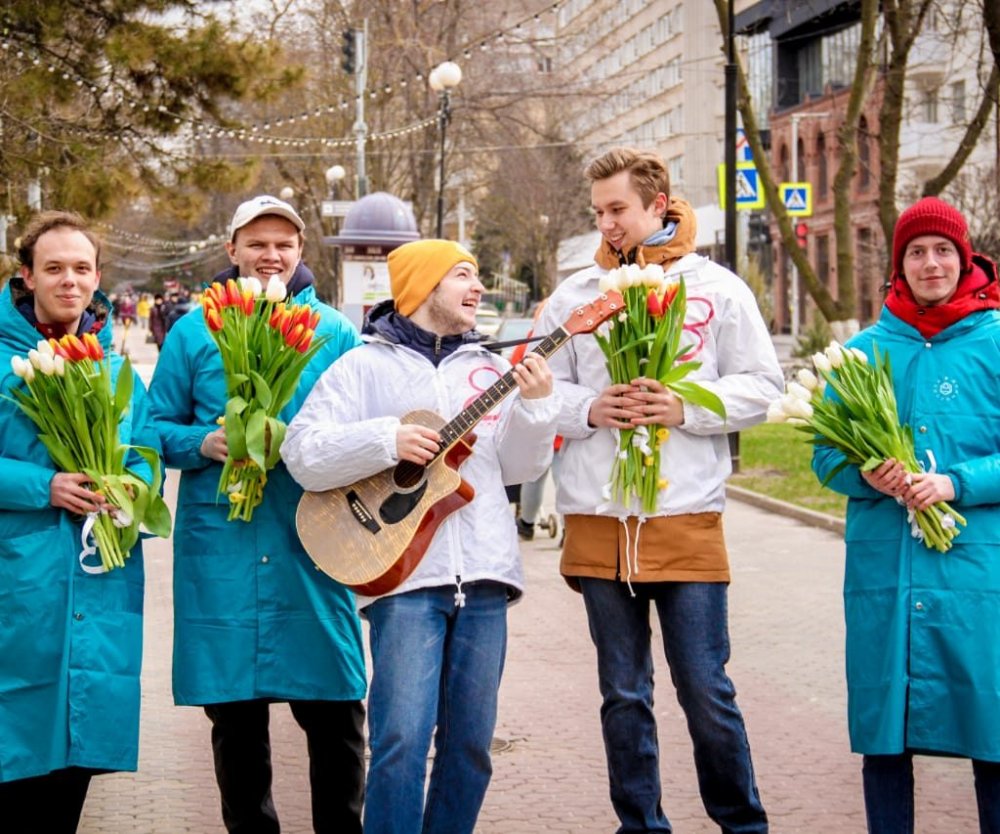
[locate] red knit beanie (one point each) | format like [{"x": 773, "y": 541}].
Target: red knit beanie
[{"x": 931, "y": 216}]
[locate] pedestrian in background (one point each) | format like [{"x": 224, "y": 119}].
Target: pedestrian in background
[
  {"x": 158, "y": 320},
  {"x": 923, "y": 628},
  {"x": 254, "y": 621},
  {"x": 675, "y": 560},
  {"x": 438, "y": 641},
  {"x": 70, "y": 639}
]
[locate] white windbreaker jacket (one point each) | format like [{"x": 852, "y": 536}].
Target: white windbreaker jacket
[
  {"x": 346, "y": 431},
  {"x": 739, "y": 364}
]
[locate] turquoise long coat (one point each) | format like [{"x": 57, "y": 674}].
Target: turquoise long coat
[
  {"x": 253, "y": 617},
  {"x": 70, "y": 642},
  {"x": 923, "y": 628}
]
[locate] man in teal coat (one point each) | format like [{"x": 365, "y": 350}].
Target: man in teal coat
[
  {"x": 254, "y": 621},
  {"x": 923, "y": 627},
  {"x": 70, "y": 634}
]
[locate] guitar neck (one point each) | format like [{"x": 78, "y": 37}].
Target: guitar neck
[{"x": 495, "y": 394}]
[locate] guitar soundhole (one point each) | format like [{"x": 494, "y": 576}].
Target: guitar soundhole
[{"x": 408, "y": 475}]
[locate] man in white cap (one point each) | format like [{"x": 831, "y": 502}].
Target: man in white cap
[
  {"x": 254, "y": 621},
  {"x": 438, "y": 640}
]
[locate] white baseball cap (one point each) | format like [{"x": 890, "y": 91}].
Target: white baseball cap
[{"x": 259, "y": 206}]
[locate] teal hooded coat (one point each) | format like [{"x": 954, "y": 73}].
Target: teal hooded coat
[
  {"x": 70, "y": 642},
  {"x": 253, "y": 617},
  {"x": 923, "y": 628}
]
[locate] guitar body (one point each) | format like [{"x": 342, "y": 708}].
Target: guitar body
[{"x": 371, "y": 535}]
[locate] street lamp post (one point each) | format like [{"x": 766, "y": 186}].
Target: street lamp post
[
  {"x": 442, "y": 79},
  {"x": 334, "y": 174}
]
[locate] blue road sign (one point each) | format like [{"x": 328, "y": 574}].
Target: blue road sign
[{"x": 797, "y": 198}]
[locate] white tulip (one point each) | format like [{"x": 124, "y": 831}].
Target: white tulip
[
  {"x": 633, "y": 275},
  {"x": 835, "y": 353},
  {"x": 276, "y": 290},
  {"x": 860, "y": 355},
  {"x": 606, "y": 284},
  {"x": 252, "y": 284},
  {"x": 46, "y": 364},
  {"x": 807, "y": 379},
  {"x": 798, "y": 408},
  {"x": 45, "y": 347},
  {"x": 60, "y": 365},
  {"x": 29, "y": 372},
  {"x": 653, "y": 276},
  {"x": 775, "y": 413},
  {"x": 821, "y": 363},
  {"x": 18, "y": 366},
  {"x": 800, "y": 392}
]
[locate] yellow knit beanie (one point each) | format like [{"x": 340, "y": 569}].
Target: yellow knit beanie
[{"x": 416, "y": 268}]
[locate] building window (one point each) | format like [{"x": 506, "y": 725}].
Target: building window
[
  {"x": 958, "y": 103},
  {"x": 930, "y": 105},
  {"x": 822, "y": 176},
  {"x": 869, "y": 300},
  {"x": 823, "y": 259},
  {"x": 800, "y": 174}
]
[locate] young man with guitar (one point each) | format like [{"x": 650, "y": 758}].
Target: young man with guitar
[
  {"x": 625, "y": 561},
  {"x": 438, "y": 621}
]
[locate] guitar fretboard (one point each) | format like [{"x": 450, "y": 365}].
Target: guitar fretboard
[{"x": 495, "y": 394}]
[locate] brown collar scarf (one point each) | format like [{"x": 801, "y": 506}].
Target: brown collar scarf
[{"x": 681, "y": 244}]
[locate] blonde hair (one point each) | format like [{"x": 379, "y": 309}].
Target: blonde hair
[{"x": 647, "y": 171}]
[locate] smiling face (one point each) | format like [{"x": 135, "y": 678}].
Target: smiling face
[
  {"x": 269, "y": 245},
  {"x": 450, "y": 309},
  {"x": 932, "y": 267},
  {"x": 621, "y": 218},
  {"x": 63, "y": 276}
]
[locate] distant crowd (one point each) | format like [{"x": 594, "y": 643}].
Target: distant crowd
[{"x": 155, "y": 312}]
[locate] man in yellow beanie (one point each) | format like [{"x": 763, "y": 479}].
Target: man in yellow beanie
[{"x": 438, "y": 641}]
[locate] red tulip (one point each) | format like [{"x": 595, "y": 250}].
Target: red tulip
[
  {"x": 292, "y": 336},
  {"x": 304, "y": 340},
  {"x": 232, "y": 293},
  {"x": 74, "y": 347},
  {"x": 213, "y": 319},
  {"x": 276, "y": 314},
  {"x": 93, "y": 347},
  {"x": 248, "y": 302},
  {"x": 654, "y": 304},
  {"x": 58, "y": 349},
  {"x": 670, "y": 294},
  {"x": 314, "y": 320}
]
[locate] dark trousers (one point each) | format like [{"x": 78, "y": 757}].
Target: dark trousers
[
  {"x": 51, "y": 803},
  {"x": 242, "y": 747}
]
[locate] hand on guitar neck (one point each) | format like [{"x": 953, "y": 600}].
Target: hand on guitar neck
[{"x": 419, "y": 444}]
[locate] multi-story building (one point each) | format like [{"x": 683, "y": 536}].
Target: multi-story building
[
  {"x": 801, "y": 60},
  {"x": 655, "y": 71}
]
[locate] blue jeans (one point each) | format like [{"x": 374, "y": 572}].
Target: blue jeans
[
  {"x": 693, "y": 620},
  {"x": 433, "y": 663},
  {"x": 888, "y": 785}
]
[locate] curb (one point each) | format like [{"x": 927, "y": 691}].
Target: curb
[{"x": 774, "y": 505}]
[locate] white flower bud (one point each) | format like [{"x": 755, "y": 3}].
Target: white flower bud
[
  {"x": 252, "y": 284},
  {"x": 800, "y": 392},
  {"x": 633, "y": 275},
  {"x": 821, "y": 363},
  {"x": 60, "y": 365},
  {"x": 807, "y": 379},
  {"x": 19, "y": 366},
  {"x": 860, "y": 355},
  {"x": 652, "y": 276},
  {"x": 29, "y": 372},
  {"x": 276, "y": 290},
  {"x": 46, "y": 364},
  {"x": 34, "y": 357},
  {"x": 45, "y": 348},
  {"x": 835, "y": 353},
  {"x": 775, "y": 413},
  {"x": 797, "y": 408}
]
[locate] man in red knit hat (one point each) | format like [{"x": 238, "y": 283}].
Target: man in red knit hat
[{"x": 923, "y": 628}]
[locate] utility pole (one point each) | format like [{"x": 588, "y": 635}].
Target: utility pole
[{"x": 360, "y": 128}]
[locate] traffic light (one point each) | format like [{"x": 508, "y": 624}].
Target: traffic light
[
  {"x": 758, "y": 229},
  {"x": 802, "y": 234},
  {"x": 349, "y": 50}
]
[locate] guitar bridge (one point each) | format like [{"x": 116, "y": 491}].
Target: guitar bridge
[{"x": 361, "y": 512}]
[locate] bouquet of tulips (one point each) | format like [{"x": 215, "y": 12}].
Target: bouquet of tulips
[
  {"x": 69, "y": 396},
  {"x": 265, "y": 345},
  {"x": 645, "y": 341},
  {"x": 862, "y": 422}
]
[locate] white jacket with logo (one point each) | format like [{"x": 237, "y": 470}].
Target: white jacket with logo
[
  {"x": 346, "y": 431},
  {"x": 739, "y": 365}
]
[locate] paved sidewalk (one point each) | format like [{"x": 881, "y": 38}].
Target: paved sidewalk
[{"x": 549, "y": 775}]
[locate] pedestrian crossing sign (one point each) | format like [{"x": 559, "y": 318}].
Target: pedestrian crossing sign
[
  {"x": 797, "y": 198},
  {"x": 749, "y": 191}
]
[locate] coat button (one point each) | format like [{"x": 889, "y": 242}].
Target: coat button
[
  {"x": 923, "y": 429},
  {"x": 927, "y": 344},
  {"x": 264, "y": 560},
  {"x": 78, "y": 616},
  {"x": 919, "y": 606}
]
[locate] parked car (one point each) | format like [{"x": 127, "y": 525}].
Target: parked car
[{"x": 487, "y": 319}]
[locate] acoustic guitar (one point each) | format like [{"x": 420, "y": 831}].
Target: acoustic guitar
[{"x": 371, "y": 535}]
